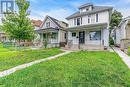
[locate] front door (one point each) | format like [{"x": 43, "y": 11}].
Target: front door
[{"x": 81, "y": 37}]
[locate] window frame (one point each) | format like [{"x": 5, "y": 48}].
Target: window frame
[
  {"x": 97, "y": 17},
  {"x": 76, "y": 21},
  {"x": 47, "y": 24},
  {"x": 54, "y": 35},
  {"x": 90, "y": 38},
  {"x": 73, "y": 34},
  {"x": 89, "y": 19}
]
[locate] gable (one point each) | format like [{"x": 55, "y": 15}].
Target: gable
[{"x": 51, "y": 23}]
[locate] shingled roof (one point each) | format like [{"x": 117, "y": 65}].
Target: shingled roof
[
  {"x": 37, "y": 23},
  {"x": 94, "y": 10},
  {"x": 57, "y": 22}
]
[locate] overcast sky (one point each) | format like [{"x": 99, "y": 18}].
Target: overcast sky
[{"x": 60, "y": 9}]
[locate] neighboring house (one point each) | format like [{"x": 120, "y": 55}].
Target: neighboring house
[
  {"x": 52, "y": 32},
  {"x": 122, "y": 34},
  {"x": 37, "y": 24},
  {"x": 89, "y": 28},
  {"x": 2, "y": 37}
]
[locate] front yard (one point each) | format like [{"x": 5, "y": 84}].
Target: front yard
[
  {"x": 10, "y": 59},
  {"x": 79, "y": 69},
  {"x": 3, "y": 49}
]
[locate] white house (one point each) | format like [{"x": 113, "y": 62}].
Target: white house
[
  {"x": 122, "y": 34},
  {"x": 89, "y": 28},
  {"x": 52, "y": 31}
]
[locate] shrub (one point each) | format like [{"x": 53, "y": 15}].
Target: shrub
[{"x": 111, "y": 41}]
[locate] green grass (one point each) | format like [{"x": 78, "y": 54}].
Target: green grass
[
  {"x": 80, "y": 69},
  {"x": 129, "y": 51},
  {"x": 11, "y": 48},
  {"x": 3, "y": 49},
  {"x": 11, "y": 59}
]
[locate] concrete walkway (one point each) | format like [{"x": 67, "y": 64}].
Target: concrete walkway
[
  {"x": 20, "y": 67},
  {"x": 124, "y": 56}
]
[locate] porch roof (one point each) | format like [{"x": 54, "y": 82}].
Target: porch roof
[
  {"x": 87, "y": 27},
  {"x": 46, "y": 30}
]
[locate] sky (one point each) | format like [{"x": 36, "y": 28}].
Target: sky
[{"x": 60, "y": 9}]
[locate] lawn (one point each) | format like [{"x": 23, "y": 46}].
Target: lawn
[
  {"x": 11, "y": 47},
  {"x": 11, "y": 59},
  {"x": 79, "y": 69},
  {"x": 3, "y": 49}
]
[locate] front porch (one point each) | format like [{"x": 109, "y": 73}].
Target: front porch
[
  {"x": 88, "y": 38},
  {"x": 49, "y": 38}
]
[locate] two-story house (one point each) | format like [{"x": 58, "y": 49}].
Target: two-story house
[
  {"x": 52, "y": 32},
  {"x": 89, "y": 28}
]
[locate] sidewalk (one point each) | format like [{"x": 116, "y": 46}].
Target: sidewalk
[
  {"x": 124, "y": 56},
  {"x": 20, "y": 67}
]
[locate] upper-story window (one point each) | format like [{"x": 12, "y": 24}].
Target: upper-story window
[
  {"x": 78, "y": 21},
  {"x": 88, "y": 19},
  {"x": 96, "y": 17},
  {"x": 48, "y": 24},
  {"x": 87, "y": 9}
]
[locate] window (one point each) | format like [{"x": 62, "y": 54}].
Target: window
[
  {"x": 78, "y": 21},
  {"x": 65, "y": 35},
  {"x": 95, "y": 35},
  {"x": 48, "y": 24},
  {"x": 73, "y": 34},
  {"x": 87, "y": 9},
  {"x": 53, "y": 36},
  {"x": 44, "y": 35},
  {"x": 88, "y": 19},
  {"x": 96, "y": 17}
]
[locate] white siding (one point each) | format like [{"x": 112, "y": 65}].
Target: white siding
[
  {"x": 103, "y": 17},
  {"x": 53, "y": 25},
  {"x": 123, "y": 30},
  {"x": 106, "y": 37},
  {"x": 71, "y": 22},
  {"x": 61, "y": 36},
  {"x": 118, "y": 36},
  {"x": 121, "y": 33},
  {"x": 75, "y": 40}
]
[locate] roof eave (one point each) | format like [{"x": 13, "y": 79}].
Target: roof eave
[
  {"x": 92, "y": 26},
  {"x": 89, "y": 13}
]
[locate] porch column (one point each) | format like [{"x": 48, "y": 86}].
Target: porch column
[
  {"x": 41, "y": 38},
  {"x": 59, "y": 39},
  {"x": 69, "y": 35},
  {"x": 106, "y": 37}
]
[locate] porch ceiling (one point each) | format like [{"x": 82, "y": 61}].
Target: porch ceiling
[
  {"x": 47, "y": 30},
  {"x": 87, "y": 27}
]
